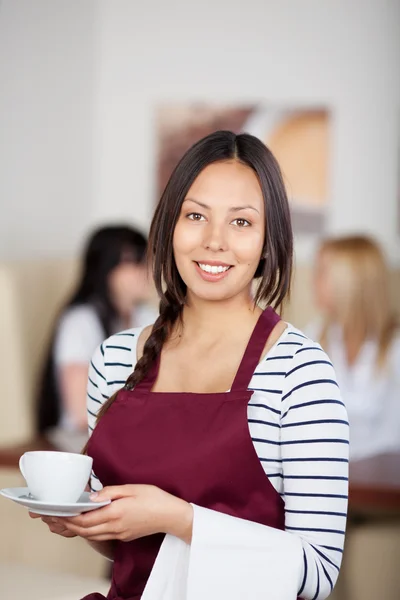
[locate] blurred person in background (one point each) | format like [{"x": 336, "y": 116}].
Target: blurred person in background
[
  {"x": 111, "y": 296},
  {"x": 359, "y": 332}
]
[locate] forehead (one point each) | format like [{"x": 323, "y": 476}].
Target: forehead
[{"x": 227, "y": 182}]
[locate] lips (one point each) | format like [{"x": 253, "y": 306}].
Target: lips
[{"x": 212, "y": 270}]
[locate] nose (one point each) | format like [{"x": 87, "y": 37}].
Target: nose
[{"x": 215, "y": 238}]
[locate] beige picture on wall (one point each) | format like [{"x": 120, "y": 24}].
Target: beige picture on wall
[{"x": 298, "y": 137}]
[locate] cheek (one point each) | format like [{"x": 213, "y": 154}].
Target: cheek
[
  {"x": 186, "y": 239},
  {"x": 248, "y": 247}
]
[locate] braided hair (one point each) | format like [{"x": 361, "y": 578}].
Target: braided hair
[{"x": 274, "y": 269}]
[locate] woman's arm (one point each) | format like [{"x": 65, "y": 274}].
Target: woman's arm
[
  {"x": 97, "y": 393},
  {"x": 315, "y": 455}
]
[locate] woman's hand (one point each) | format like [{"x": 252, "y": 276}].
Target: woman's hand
[
  {"x": 54, "y": 524},
  {"x": 135, "y": 511}
]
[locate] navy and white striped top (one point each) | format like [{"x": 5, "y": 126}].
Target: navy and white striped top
[{"x": 299, "y": 427}]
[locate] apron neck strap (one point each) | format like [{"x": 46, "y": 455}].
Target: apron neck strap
[{"x": 264, "y": 326}]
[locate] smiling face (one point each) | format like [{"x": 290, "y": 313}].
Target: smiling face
[{"x": 219, "y": 236}]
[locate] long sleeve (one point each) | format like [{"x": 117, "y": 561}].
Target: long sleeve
[
  {"x": 97, "y": 394},
  {"x": 314, "y": 453}
]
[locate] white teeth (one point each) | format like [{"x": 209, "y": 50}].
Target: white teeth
[{"x": 212, "y": 269}]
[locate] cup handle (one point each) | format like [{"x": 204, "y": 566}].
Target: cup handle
[{"x": 21, "y": 466}]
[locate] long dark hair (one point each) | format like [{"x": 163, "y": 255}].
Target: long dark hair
[
  {"x": 106, "y": 248},
  {"x": 274, "y": 270}
]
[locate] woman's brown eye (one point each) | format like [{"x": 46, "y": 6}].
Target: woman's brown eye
[
  {"x": 195, "y": 216},
  {"x": 241, "y": 222}
]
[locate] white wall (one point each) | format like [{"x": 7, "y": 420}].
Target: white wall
[
  {"x": 46, "y": 125},
  {"x": 113, "y": 61}
]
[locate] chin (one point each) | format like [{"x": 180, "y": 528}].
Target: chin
[{"x": 214, "y": 292}]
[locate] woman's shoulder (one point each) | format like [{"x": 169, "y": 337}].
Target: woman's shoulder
[
  {"x": 309, "y": 375},
  {"x": 295, "y": 349},
  {"x": 124, "y": 347},
  {"x": 115, "y": 359},
  {"x": 296, "y": 341},
  {"x": 123, "y": 341},
  {"x": 291, "y": 349}
]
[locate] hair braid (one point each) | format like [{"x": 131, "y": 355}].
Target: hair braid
[{"x": 170, "y": 312}]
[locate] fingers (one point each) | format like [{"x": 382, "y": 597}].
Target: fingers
[
  {"x": 60, "y": 530},
  {"x": 93, "y": 517},
  {"x": 49, "y": 520},
  {"x": 105, "y": 530},
  {"x": 54, "y": 524},
  {"x": 113, "y": 492},
  {"x": 57, "y": 526}
]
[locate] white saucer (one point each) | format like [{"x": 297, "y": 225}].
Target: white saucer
[{"x": 22, "y": 496}]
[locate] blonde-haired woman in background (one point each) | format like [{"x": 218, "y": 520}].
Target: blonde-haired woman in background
[{"x": 359, "y": 332}]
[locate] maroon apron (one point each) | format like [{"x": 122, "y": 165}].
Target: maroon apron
[{"x": 194, "y": 446}]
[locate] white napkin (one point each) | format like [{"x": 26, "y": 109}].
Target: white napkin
[
  {"x": 229, "y": 559},
  {"x": 168, "y": 578}
]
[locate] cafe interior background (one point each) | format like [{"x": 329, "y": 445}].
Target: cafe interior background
[{"x": 97, "y": 100}]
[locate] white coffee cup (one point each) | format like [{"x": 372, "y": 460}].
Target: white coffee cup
[{"x": 56, "y": 477}]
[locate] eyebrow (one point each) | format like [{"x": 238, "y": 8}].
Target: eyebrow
[{"x": 233, "y": 209}]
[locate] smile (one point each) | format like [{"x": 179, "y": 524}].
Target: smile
[
  {"x": 214, "y": 269},
  {"x": 212, "y": 272}
]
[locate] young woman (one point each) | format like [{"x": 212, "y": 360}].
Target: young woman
[
  {"x": 221, "y": 425},
  {"x": 359, "y": 331},
  {"x": 110, "y": 296}
]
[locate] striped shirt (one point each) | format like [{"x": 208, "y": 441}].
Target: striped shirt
[{"x": 299, "y": 428}]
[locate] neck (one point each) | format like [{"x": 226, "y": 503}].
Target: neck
[{"x": 213, "y": 318}]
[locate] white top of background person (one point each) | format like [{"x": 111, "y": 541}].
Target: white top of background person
[{"x": 359, "y": 331}]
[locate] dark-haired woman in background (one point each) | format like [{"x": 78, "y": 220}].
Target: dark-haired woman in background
[
  {"x": 221, "y": 426},
  {"x": 110, "y": 296}
]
